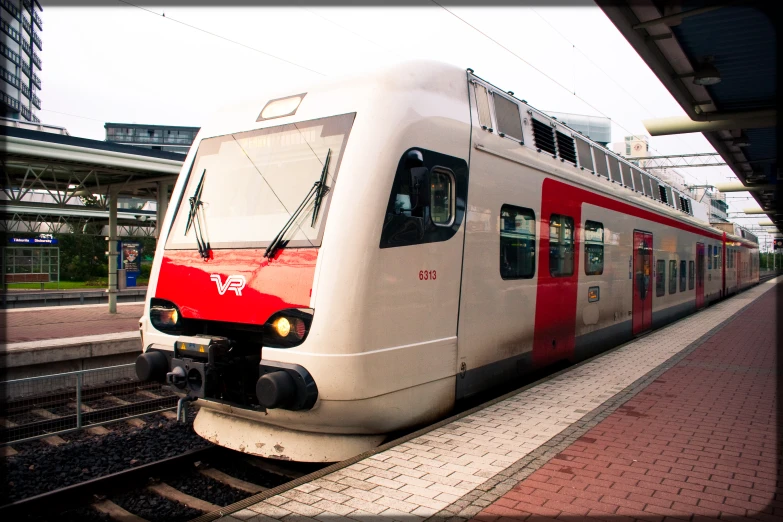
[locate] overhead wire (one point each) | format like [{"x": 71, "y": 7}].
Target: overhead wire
[
  {"x": 223, "y": 38},
  {"x": 618, "y": 84},
  {"x": 538, "y": 70}
]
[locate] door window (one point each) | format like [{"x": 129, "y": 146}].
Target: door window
[
  {"x": 561, "y": 245},
  {"x": 594, "y": 248},
  {"x": 672, "y": 276}
]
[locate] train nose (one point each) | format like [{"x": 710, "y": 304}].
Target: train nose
[{"x": 152, "y": 366}]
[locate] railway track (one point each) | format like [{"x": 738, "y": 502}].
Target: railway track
[
  {"x": 48, "y": 415},
  {"x": 181, "y": 488}
]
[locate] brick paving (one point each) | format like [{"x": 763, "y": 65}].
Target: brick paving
[
  {"x": 72, "y": 321},
  {"x": 700, "y": 441},
  {"x": 526, "y": 448}
]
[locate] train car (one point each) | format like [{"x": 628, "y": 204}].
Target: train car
[{"x": 351, "y": 259}]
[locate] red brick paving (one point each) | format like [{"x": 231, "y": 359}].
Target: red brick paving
[
  {"x": 38, "y": 325},
  {"x": 699, "y": 443}
]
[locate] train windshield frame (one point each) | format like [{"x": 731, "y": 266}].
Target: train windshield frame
[{"x": 256, "y": 180}]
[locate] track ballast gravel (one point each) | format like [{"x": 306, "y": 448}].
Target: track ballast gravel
[{"x": 35, "y": 472}]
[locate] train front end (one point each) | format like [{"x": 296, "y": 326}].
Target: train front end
[{"x": 270, "y": 303}]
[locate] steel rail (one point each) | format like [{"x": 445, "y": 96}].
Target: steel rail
[{"x": 83, "y": 492}]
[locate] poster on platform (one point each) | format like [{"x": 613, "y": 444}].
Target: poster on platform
[{"x": 131, "y": 257}]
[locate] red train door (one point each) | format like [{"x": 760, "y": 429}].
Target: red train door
[
  {"x": 699, "y": 275},
  {"x": 558, "y": 273},
  {"x": 642, "y": 269}
]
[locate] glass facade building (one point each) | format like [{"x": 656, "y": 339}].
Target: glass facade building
[
  {"x": 20, "y": 29},
  {"x": 159, "y": 137}
]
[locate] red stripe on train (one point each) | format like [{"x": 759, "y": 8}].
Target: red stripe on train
[
  {"x": 270, "y": 286},
  {"x": 555, "y": 319}
]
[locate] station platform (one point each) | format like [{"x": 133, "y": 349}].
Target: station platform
[
  {"x": 56, "y": 339},
  {"x": 680, "y": 424}
]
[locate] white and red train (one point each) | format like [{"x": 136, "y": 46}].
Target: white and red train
[{"x": 350, "y": 260}]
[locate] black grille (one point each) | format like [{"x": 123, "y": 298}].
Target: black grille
[
  {"x": 565, "y": 146},
  {"x": 662, "y": 189},
  {"x": 543, "y": 136}
]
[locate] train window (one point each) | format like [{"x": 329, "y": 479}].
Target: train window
[
  {"x": 628, "y": 180},
  {"x": 507, "y": 116},
  {"x": 691, "y": 272},
  {"x": 716, "y": 255},
  {"x": 441, "y": 197},
  {"x": 660, "y": 281},
  {"x": 682, "y": 276},
  {"x": 600, "y": 162},
  {"x": 709, "y": 257},
  {"x": 594, "y": 248},
  {"x": 638, "y": 184},
  {"x": 614, "y": 168},
  {"x": 583, "y": 151},
  {"x": 517, "y": 242},
  {"x": 482, "y": 104},
  {"x": 561, "y": 245},
  {"x": 648, "y": 186},
  {"x": 433, "y": 211},
  {"x": 672, "y": 276}
]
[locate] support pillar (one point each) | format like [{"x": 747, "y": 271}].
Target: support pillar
[
  {"x": 162, "y": 206},
  {"x": 112, "y": 290}
]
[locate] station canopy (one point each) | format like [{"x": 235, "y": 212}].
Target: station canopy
[
  {"x": 718, "y": 60},
  {"x": 74, "y": 177}
]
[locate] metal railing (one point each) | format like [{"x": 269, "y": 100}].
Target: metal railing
[
  {"x": 38, "y": 407},
  {"x": 11, "y": 8},
  {"x": 34, "y": 77},
  {"x": 10, "y": 77},
  {"x": 14, "y": 104},
  {"x": 10, "y": 31},
  {"x": 11, "y": 55}
]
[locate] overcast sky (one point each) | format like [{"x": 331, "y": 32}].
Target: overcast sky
[{"x": 132, "y": 65}]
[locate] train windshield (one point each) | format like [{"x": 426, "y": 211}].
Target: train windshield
[{"x": 249, "y": 184}]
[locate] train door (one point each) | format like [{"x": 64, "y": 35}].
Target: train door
[
  {"x": 738, "y": 263},
  {"x": 642, "y": 268},
  {"x": 699, "y": 275},
  {"x": 558, "y": 275}
]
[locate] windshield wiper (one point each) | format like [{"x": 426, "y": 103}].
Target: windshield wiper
[
  {"x": 322, "y": 188},
  {"x": 195, "y": 219},
  {"x": 318, "y": 189}
]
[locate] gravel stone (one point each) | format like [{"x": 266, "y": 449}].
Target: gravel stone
[
  {"x": 55, "y": 467},
  {"x": 205, "y": 488}
]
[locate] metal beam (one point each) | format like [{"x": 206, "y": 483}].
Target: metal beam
[
  {"x": 739, "y": 187},
  {"x": 685, "y": 125},
  {"x": 113, "y": 252},
  {"x": 675, "y": 17}
]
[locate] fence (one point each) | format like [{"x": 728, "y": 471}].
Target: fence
[{"x": 38, "y": 407}]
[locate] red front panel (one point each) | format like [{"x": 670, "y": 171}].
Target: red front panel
[
  {"x": 238, "y": 286},
  {"x": 642, "y": 269},
  {"x": 699, "y": 275},
  {"x": 555, "y": 322}
]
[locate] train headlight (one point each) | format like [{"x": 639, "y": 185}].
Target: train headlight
[
  {"x": 287, "y": 328},
  {"x": 165, "y": 316},
  {"x": 282, "y": 327}
]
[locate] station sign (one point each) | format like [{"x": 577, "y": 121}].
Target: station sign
[
  {"x": 130, "y": 259},
  {"x": 42, "y": 239}
]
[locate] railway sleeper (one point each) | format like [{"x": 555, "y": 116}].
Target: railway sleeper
[
  {"x": 166, "y": 491},
  {"x": 116, "y": 512},
  {"x": 228, "y": 480}
]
